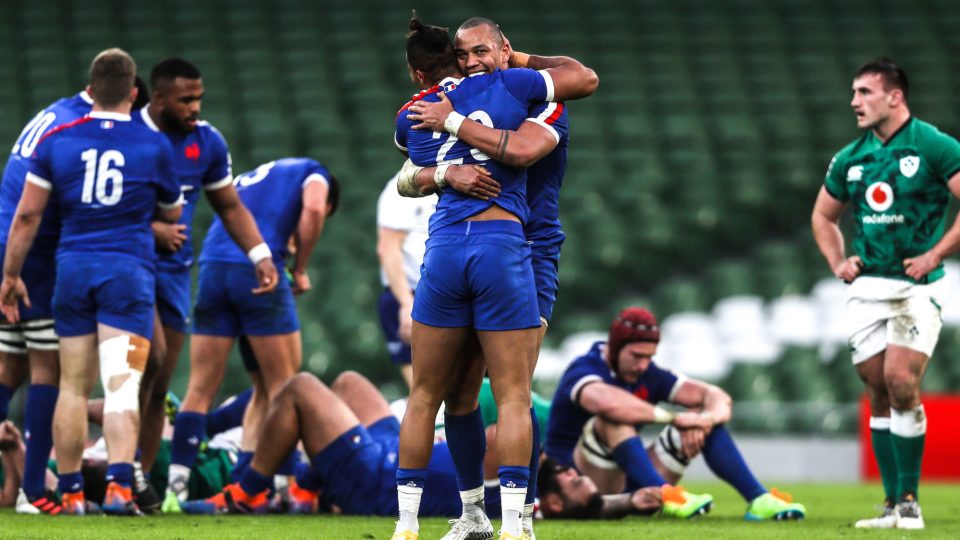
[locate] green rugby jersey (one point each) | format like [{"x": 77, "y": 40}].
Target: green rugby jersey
[{"x": 898, "y": 192}]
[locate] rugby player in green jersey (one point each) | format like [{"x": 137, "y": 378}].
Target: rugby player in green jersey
[{"x": 897, "y": 178}]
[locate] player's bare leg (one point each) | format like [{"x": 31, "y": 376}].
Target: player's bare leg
[
  {"x": 121, "y": 418},
  {"x": 79, "y": 370},
  {"x": 362, "y": 397},
  {"x": 254, "y": 414},
  {"x": 870, "y": 372},
  {"x": 154, "y": 397},
  {"x": 903, "y": 370}
]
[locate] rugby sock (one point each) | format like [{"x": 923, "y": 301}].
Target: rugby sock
[
  {"x": 410, "y": 484},
  {"x": 188, "y": 431},
  {"x": 38, "y": 432},
  {"x": 534, "y": 460},
  {"x": 908, "y": 431},
  {"x": 513, "y": 491},
  {"x": 632, "y": 458},
  {"x": 528, "y": 514},
  {"x": 289, "y": 465},
  {"x": 120, "y": 473},
  {"x": 883, "y": 451},
  {"x": 253, "y": 482},
  {"x": 491, "y": 497},
  {"x": 308, "y": 477},
  {"x": 243, "y": 463},
  {"x": 6, "y": 394},
  {"x": 724, "y": 459},
  {"x": 467, "y": 441},
  {"x": 70, "y": 482},
  {"x": 228, "y": 415}
]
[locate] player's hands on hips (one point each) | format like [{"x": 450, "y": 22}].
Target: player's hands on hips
[
  {"x": 12, "y": 290},
  {"x": 169, "y": 236},
  {"x": 301, "y": 281},
  {"x": 917, "y": 267},
  {"x": 473, "y": 180},
  {"x": 266, "y": 276},
  {"x": 848, "y": 269},
  {"x": 405, "y": 315},
  {"x": 431, "y": 115}
]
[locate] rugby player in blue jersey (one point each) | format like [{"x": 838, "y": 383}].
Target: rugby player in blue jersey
[
  {"x": 202, "y": 164},
  {"x": 606, "y": 396},
  {"x": 109, "y": 177},
  {"x": 477, "y": 274},
  {"x": 288, "y": 198}
]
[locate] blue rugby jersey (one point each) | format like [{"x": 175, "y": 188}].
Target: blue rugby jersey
[{"x": 545, "y": 177}]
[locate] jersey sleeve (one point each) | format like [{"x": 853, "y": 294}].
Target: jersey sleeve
[
  {"x": 529, "y": 86},
  {"x": 219, "y": 174},
  {"x": 946, "y": 156},
  {"x": 661, "y": 383},
  {"x": 316, "y": 173},
  {"x": 38, "y": 168},
  {"x": 834, "y": 181},
  {"x": 403, "y": 128},
  {"x": 393, "y": 210},
  {"x": 169, "y": 194},
  {"x": 552, "y": 116},
  {"x": 576, "y": 378}
]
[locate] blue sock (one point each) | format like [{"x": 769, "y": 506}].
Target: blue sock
[
  {"x": 724, "y": 459},
  {"x": 121, "y": 473},
  {"x": 491, "y": 499},
  {"x": 188, "y": 430},
  {"x": 289, "y": 465},
  {"x": 632, "y": 458},
  {"x": 411, "y": 477},
  {"x": 6, "y": 394},
  {"x": 38, "y": 432},
  {"x": 534, "y": 459},
  {"x": 467, "y": 441},
  {"x": 253, "y": 482},
  {"x": 308, "y": 478},
  {"x": 70, "y": 482},
  {"x": 228, "y": 416},
  {"x": 519, "y": 477},
  {"x": 243, "y": 463}
]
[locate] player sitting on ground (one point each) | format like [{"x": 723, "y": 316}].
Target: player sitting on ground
[{"x": 607, "y": 395}]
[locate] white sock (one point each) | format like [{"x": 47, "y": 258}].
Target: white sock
[
  {"x": 175, "y": 474},
  {"x": 909, "y": 423},
  {"x": 408, "y": 498},
  {"x": 140, "y": 481},
  {"x": 472, "y": 502},
  {"x": 511, "y": 501},
  {"x": 528, "y": 517}
]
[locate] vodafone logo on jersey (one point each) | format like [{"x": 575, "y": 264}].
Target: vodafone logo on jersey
[{"x": 880, "y": 196}]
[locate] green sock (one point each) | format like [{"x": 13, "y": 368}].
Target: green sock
[
  {"x": 886, "y": 461},
  {"x": 909, "y": 454}
]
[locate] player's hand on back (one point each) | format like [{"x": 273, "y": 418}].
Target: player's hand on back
[
  {"x": 12, "y": 290},
  {"x": 266, "y": 277},
  {"x": 473, "y": 180},
  {"x": 169, "y": 236},
  {"x": 431, "y": 115}
]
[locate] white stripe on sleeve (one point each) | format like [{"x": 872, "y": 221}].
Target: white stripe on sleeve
[
  {"x": 549, "y": 80},
  {"x": 315, "y": 177},
  {"x": 39, "y": 182},
  {"x": 580, "y": 384},
  {"x": 167, "y": 206},
  {"x": 222, "y": 183}
]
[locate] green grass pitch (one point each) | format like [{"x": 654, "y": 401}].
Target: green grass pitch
[{"x": 832, "y": 511}]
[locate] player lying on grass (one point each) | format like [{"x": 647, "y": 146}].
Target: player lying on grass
[
  {"x": 606, "y": 396},
  {"x": 352, "y": 438}
]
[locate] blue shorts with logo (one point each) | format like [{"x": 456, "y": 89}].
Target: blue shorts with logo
[
  {"x": 173, "y": 299},
  {"x": 39, "y": 274},
  {"x": 546, "y": 268},
  {"x": 478, "y": 274},
  {"x": 226, "y": 306},
  {"x": 114, "y": 289},
  {"x": 359, "y": 469},
  {"x": 389, "y": 309}
]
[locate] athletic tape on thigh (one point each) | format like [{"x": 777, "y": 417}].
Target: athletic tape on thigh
[
  {"x": 40, "y": 335},
  {"x": 122, "y": 356},
  {"x": 669, "y": 448},
  {"x": 12, "y": 340},
  {"x": 593, "y": 449}
]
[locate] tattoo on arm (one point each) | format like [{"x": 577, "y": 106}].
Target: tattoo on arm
[
  {"x": 502, "y": 146},
  {"x": 616, "y": 506}
]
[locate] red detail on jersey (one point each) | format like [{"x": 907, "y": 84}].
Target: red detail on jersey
[
  {"x": 642, "y": 393},
  {"x": 879, "y": 196},
  {"x": 192, "y": 151},
  {"x": 60, "y": 128},
  {"x": 418, "y": 97},
  {"x": 556, "y": 114}
]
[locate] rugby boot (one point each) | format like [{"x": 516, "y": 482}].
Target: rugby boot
[
  {"x": 75, "y": 504},
  {"x": 470, "y": 527},
  {"x": 301, "y": 501},
  {"x": 886, "y": 520},
  {"x": 232, "y": 500},
  {"x": 680, "y": 503},
  {"x": 507, "y": 536},
  {"x": 175, "y": 495},
  {"x": 405, "y": 535},
  {"x": 119, "y": 501},
  {"x": 909, "y": 515},
  {"x": 775, "y": 505},
  {"x": 48, "y": 503}
]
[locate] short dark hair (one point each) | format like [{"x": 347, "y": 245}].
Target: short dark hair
[
  {"x": 333, "y": 194},
  {"x": 143, "y": 94},
  {"x": 893, "y": 75},
  {"x": 112, "y": 75},
  {"x": 170, "y": 69},
  {"x": 547, "y": 483},
  {"x": 494, "y": 28},
  {"x": 430, "y": 50}
]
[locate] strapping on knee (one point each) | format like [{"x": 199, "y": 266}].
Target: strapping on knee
[{"x": 122, "y": 361}]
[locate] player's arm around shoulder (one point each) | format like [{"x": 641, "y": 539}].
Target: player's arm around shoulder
[{"x": 569, "y": 77}]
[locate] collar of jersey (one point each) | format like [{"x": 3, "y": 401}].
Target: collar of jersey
[
  {"x": 450, "y": 80},
  {"x": 86, "y": 97},
  {"x": 107, "y": 115},
  {"x": 145, "y": 114}
]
